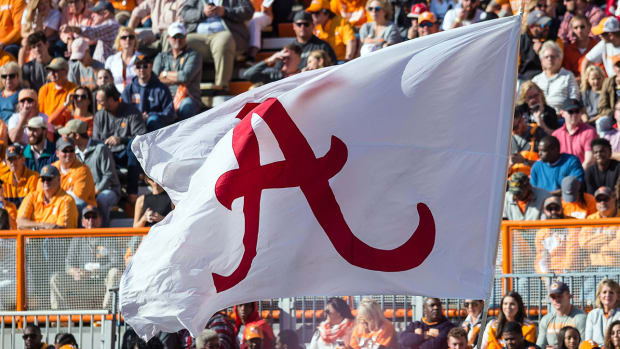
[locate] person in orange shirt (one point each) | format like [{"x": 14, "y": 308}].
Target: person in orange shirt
[
  {"x": 352, "y": 10},
  {"x": 76, "y": 178},
  {"x": 601, "y": 245},
  {"x": 575, "y": 201},
  {"x": 10, "y": 24},
  {"x": 49, "y": 207},
  {"x": 575, "y": 52},
  {"x": 372, "y": 329},
  {"x": 334, "y": 29},
  {"x": 20, "y": 180},
  {"x": 54, "y": 94},
  {"x": 10, "y": 208}
]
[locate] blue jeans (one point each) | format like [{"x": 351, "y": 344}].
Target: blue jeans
[
  {"x": 126, "y": 158},
  {"x": 155, "y": 122},
  {"x": 106, "y": 199},
  {"x": 187, "y": 109}
]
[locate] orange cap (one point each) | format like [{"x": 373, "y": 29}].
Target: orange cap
[
  {"x": 318, "y": 5},
  {"x": 251, "y": 332},
  {"x": 588, "y": 344},
  {"x": 427, "y": 17}
]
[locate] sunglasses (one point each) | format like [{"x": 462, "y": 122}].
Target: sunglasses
[
  {"x": 573, "y": 111},
  {"x": 425, "y": 24},
  {"x": 302, "y": 24},
  {"x": 8, "y": 76},
  {"x": 327, "y": 312},
  {"x": 142, "y": 66},
  {"x": 128, "y": 37},
  {"x": 26, "y": 336},
  {"x": 80, "y": 97},
  {"x": 178, "y": 37},
  {"x": 46, "y": 179},
  {"x": 68, "y": 150},
  {"x": 374, "y": 9},
  {"x": 26, "y": 100},
  {"x": 91, "y": 216},
  {"x": 467, "y": 304},
  {"x": 602, "y": 198},
  {"x": 553, "y": 207}
]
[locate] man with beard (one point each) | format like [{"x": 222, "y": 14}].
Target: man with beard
[
  {"x": 469, "y": 13},
  {"x": 531, "y": 41},
  {"x": 39, "y": 151},
  {"x": 429, "y": 333}
]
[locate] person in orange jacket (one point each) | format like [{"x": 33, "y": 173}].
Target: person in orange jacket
[{"x": 247, "y": 314}]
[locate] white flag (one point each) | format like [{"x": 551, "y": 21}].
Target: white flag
[{"x": 382, "y": 175}]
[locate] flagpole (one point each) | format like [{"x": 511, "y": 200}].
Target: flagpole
[{"x": 487, "y": 302}]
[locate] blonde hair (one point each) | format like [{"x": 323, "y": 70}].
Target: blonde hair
[
  {"x": 525, "y": 87},
  {"x": 611, "y": 284},
  {"x": 11, "y": 67},
  {"x": 321, "y": 55},
  {"x": 30, "y": 11},
  {"x": 117, "y": 41},
  {"x": 584, "y": 76},
  {"x": 370, "y": 310},
  {"x": 386, "y": 6}
]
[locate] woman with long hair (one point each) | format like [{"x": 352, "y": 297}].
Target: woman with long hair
[
  {"x": 612, "y": 336},
  {"x": 336, "y": 330},
  {"x": 122, "y": 63},
  {"x": 10, "y": 83},
  {"x": 372, "y": 329},
  {"x": 591, "y": 86},
  {"x": 512, "y": 310},
  {"x": 607, "y": 310},
  {"x": 380, "y": 31},
  {"x": 78, "y": 105},
  {"x": 39, "y": 15},
  {"x": 472, "y": 322},
  {"x": 538, "y": 111}
]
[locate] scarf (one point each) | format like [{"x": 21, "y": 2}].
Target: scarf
[{"x": 329, "y": 334}]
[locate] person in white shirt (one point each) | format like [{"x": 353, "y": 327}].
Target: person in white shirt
[
  {"x": 607, "y": 310},
  {"x": 557, "y": 83},
  {"x": 608, "y": 48},
  {"x": 467, "y": 14}
]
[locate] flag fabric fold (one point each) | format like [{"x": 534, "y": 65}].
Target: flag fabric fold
[{"x": 373, "y": 177}]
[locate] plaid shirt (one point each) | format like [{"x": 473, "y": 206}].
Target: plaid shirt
[{"x": 104, "y": 32}]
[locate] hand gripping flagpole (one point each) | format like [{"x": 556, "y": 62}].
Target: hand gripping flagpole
[{"x": 487, "y": 302}]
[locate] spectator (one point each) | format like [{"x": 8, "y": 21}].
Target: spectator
[
  {"x": 548, "y": 172},
  {"x": 372, "y": 329},
  {"x": 116, "y": 124},
  {"x": 102, "y": 30},
  {"x": 339, "y": 33},
  {"x": 104, "y": 77},
  {"x": 32, "y": 338},
  {"x": 79, "y": 105},
  {"x": 605, "y": 50},
  {"x": 100, "y": 161},
  {"x": 380, "y": 32},
  {"x": 150, "y": 96},
  {"x": 427, "y": 24},
  {"x": 49, "y": 207},
  {"x": 608, "y": 99},
  {"x": 76, "y": 13},
  {"x": 429, "y": 333},
  {"x": 11, "y": 84},
  {"x": 20, "y": 180},
  {"x": 607, "y": 310},
  {"x": 82, "y": 68},
  {"x": 252, "y": 337},
  {"x": 414, "y": 13},
  {"x": 457, "y": 338},
  {"x": 467, "y": 14},
  {"x": 441, "y": 7},
  {"x": 575, "y": 202},
  {"x": 53, "y": 94},
  {"x": 568, "y": 338},
  {"x": 316, "y": 60},
  {"x": 262, "y": 18},
  {"x": 606, "y": 207},
  {"x": 583, "y": 8},
  {"x": 90, "y": 269},
  {"x": 28, "y": 110},
  {"x": 513, "y": 311},
  {"x": 557, "y": 83},
  {"x": 39, "y": 152},
  {"x": 523, "y": 201},
  {"x": 605, "y": 171},
  {"x": 40, "y": 16},
  {"x": 208, "y": 339},
  {"x": 181, "y": 69},
  {"x": 266, "y": 71},
  {"x": 472, "y": 322},
  {"x": 352, "y": 10},
  {"x": 591, "y": 88},
  {"x": 122, "y": 63},
  {"x": 612, "y": 336},
  {"x": 222, "y": 324},
  {"x": 524, "y": 141},
  {"x": 565, "y": 314},
  {"x": 9, "y": 208},
  {"x": 531, "y": 42},
  {"x": 538, "y": 111},
  {"x": 514, "y": 338},
  {"x": 218, "y": 32},
  {"x": 556, "y": 249},
  {"x": 287, "y": 339},
  {"x": 335, "y": 331},
  {"x": 10, "y": 30},
  {"x": 63, "y": 338},
  {"x": 303, "y": 26},
  {"x": 76, "y": 178},
  {"x": 162, "y": 14},
  {"x": 33, "y": 72},
  {"x": 247, "y": 315},
  {"x": 574, "y": 52}
]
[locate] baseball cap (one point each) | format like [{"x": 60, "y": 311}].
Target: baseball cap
[
  {"x": 318, "y": 5},
  {"x": 571, "y": 103},
  {"x": 518, "y": 182},
  {"x": 603, "y": 191},
  {"x": 74, "y": 126},
  {"x": 14, "y": 150},
  {"x": 143, "y": 59},
  {"x": 427, "y": 17},
  {"x": 537, "y": 17},
  {"x": 176, "y": 28},
  {"x": 58, "y": 63},
  {"x": 417, "y": 9},
  {"x": 251, "y": 332},
  {"x": 37, "y": 122},
  {"x": 302, "y": 16},
  {"x": 552, "y": 200},
  {"x": 90, "y": 209},
  {"x": 588, "y": 344},
  {"x": 570, "y": 188},
  {"x": 558, "y": 287},
  {"x": 62, "y": 143},
  {"x": 606, "y": 25},
  {"x": 103, "y": 5},
  {"x": 79, "y": 47},
  {"x": 49, "y": 171}
]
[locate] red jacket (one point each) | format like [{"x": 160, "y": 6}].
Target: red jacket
[{"x": 256, "y": 320}]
